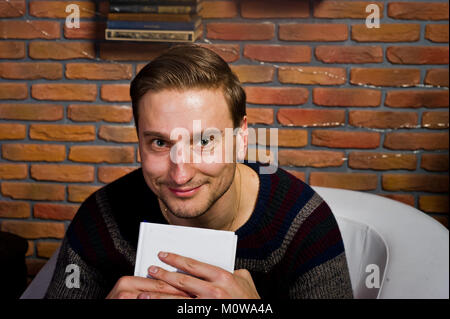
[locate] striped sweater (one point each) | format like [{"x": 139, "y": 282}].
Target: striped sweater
[{"x": 291, "y": 244}]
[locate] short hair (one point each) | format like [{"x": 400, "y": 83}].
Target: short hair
[{"x": 189, "y": 66}]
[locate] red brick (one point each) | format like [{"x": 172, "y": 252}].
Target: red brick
[
  {"x": 437, "y": 77},
  {"x": 228, "y": 52},
  {"x": 62, "y": 173},
  {"x": 12, "y": 49},
  {"x": 383, "y": 120},
  {"x": 415, "y": 182},
  {"x": 12, "y": 131},
  {"x": 346, "y": 97},
  {"x": 33, "y": 191},
  {"x": 219, "y": 9},
  {"x": 30, "y": 250},
  {"x": 14, "y": 209},
  {"x": 12, "y": 9},
  {"x": 382, "y": 161},
  {"x": 418, "y": 10},
  {"x": 34, "y": 152},
  {"x": 435, "y": 120},
  {"x": 403, "y": 198},
  {"x": 313, "y": 32},
  {"x": 260, "y": 116},
  {"x": 32, "y": 29},
  {"x": 435, "y": 162},
  {"x": 131, "y": 51},
  {"x": 387, "y": 32},
  {"x": 292, "y": 138},
  {"x": 416, "y": 98},
  {"x": 349, "y": 54},
  {"x": 121, "y": 134},
  {"x": 276, "y": 95},
  {"x": 115, "y": 92},
  {"x": 13, "y": 171},
  {"x": 101, "y": 154},
  {"x": 33, "y": 112},
  {"x": 344, "y": 9},
  {"x": 62, "y": 132},
  {"x": 95, "y": 113},
  {"x": 433, "y": 203},
  {"x": 312, "y": 75},
  {"x": 343, "y": 139},
  {"x": 61, "y": 50},
  {"x": 46, "y": 249},
  {"x": 385, "y": 77},
  {"x": 278, "y": 53},
  {"x": 87, "y": 30},
  {"x": 417, "y": 55},
  {"x": 311, "y": 117},
  {"x": 30, "y": 71},
  {"x": 64, "y": 92},
  {"x": 13, "y": 91},
  {"x": 34, "y": 229},
  {"x": 310, "y": 158},
  {"x": 98, "y": 71},
  {"x": 108, "y": 174},
  {"x": 79, "y": 193},
  {"x": 255, "y": 9},
  {"x": 352, "y": 181},
  {"x": 437, "y": 33},
  {"x": 54, "y": 211},
  {"x": 286, "y": 138},
  {"x": 57, "y": 9},
  {"x": 416, "y": 141},
  {"x": 254, "y": 73},
  {"x": 240, "y": 31}
]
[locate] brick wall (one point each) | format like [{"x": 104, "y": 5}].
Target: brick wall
[{"x": 357, "y": 108}]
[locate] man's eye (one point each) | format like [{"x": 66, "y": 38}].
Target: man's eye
[{"x": 158, "y": 143}]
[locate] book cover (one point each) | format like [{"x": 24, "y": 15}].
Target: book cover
[
  {"x": 153, "y": 35},
  {"x": 171, "y": 9},
  {"x": 215, "y": 247},
  {"x": 154, "y": 25},
  {"x": 151, "y": 17}
]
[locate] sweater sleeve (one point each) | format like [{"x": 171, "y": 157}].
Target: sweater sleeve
[
  {"x": 76, "y": 257},
  {"x": 316, "y": 258}
]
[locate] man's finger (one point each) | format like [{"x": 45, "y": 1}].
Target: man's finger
[
  {"x": 156, "y": 295},
  {"x": 132, "y": 283},
  {"x": 194, "y": 267}
]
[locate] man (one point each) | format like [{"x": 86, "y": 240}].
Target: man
[{"x": 289, "y": 245}]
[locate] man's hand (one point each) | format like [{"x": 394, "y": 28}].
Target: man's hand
[
  {"x": 206, "y": 281},
  {"x": 129, "y": 287}
]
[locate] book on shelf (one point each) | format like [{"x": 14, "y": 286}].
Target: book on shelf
[
  {"x": 155, "y": 8},
  {"x": 154, "y": 25},
  {"x": 154, "y": 35},
  {"x": 151, "y": 17}
]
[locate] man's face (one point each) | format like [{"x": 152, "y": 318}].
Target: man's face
[{"x": 187, "y": 187}]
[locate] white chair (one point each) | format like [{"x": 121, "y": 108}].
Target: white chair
[
  {"x": 387, "y": 241},
  {"x": 409, "y": 248}
]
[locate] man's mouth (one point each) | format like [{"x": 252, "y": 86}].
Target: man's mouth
[{"x": 184, "y": 192}]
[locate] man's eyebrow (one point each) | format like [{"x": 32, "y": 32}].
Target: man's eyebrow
[
  {"x": 167, "y": 137},
  {"x": 156, "y": 134}
]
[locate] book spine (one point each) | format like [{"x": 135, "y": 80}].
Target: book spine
[
  {"x": 153, "y": 25},
  {"x": 134, "y": 8},
  {"x": 149, "y": 35},
  {"x": 171, "y": 2},
  {"x": 151, "y": 17}
]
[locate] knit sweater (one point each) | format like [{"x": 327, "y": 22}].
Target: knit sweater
[{"x": 291, "y": 244}]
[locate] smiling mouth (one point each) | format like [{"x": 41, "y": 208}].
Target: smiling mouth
[{"x": 185, "y": 192}]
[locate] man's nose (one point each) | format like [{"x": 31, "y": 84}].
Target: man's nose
[{"x": 181, "y": 170}]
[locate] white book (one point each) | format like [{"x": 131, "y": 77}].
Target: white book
[{"x": 215, "y": 247}]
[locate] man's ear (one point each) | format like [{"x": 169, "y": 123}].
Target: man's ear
[{"x": 242, "y": 140}]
